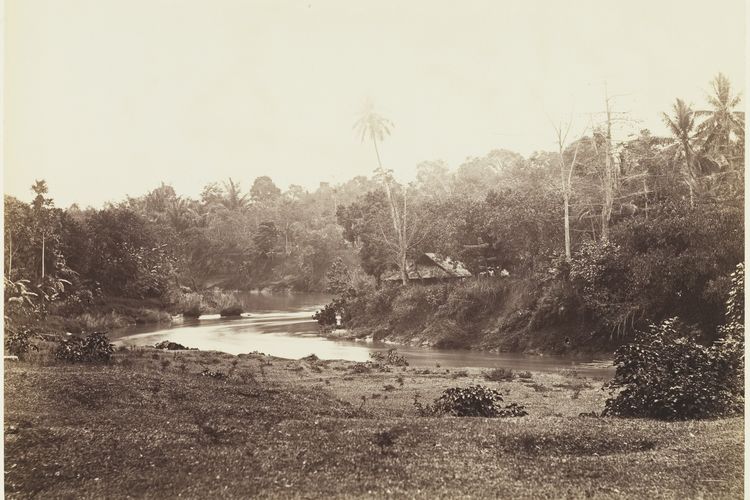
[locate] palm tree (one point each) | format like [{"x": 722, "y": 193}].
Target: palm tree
[
  {"x": 373, "y": 126},
  {"x": 376, "y": 127},
  {"x": 722, "y": 121},
  {"x": 682, "y": 126},
  {"x": 233, "y": 197}
]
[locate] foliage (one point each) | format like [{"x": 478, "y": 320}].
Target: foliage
[
  {"x": 472, "y": 401},
  {"x": 327, "y": 315},
  {"x": 389, "y": 357},
  {"x": 666, "y": 374},
  {"x": 499, "y": 375},
  {"x": 19, "y": 342},
  {"x": 94, "y": 348}
]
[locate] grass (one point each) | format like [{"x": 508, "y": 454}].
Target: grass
[{"x": 151, "y": 425}]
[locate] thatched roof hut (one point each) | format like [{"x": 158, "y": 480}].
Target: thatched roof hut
[{"x": 429, "y": 267}]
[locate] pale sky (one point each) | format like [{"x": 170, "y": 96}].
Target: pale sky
[{"x": 107, "y": 98}]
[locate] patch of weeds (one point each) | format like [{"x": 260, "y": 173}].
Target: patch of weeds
[
  {"x": 400, "y": 380},
  {"x": 375, "y": 395},
  {"x": 524, "y": 375},
  {"x": 390, "y": 357},
  {"x": 361, "y": 368},
  {"x": 499, "y": 375},
  {"x": 570, "y": 373},
  {"x": 459, "y": 374},
  {"x": 538, "y": 387},
  {"x": 389, "y": 387},
  {"x": 165, "y": 364},
  {"x": 214, "y": 374},
  {"x": 386, "y": 439}
]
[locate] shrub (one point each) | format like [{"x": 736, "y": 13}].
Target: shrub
[
  {"x": 499, "y": 375},
  {"x": 390, "y": 357},
  {"x": 666, "y": 374},
  {"x": 326, "y": 316},
  {"x": 94, "y": 348},
  {"x": 18, "y": 342},
  {"x": 472, "y": 401}
]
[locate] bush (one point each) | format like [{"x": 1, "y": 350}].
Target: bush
[
  {"x": 326, "y": 316},
  {"x": 94, "y": 348},
  {"x": 18, "y": 342},
  {"x": 666, "y": 374},
  {"x": 472, "y": 401},
  {"x": 499, "y": 375},
  {"x": 390, "y": 357}
]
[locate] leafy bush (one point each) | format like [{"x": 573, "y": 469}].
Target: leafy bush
[
  {"x": 472, "y": 401},
  {"x": 666, "y": 374},
  {"x": 94, "y": 348},
  {"x": 18, "y": 342},
  {"x": 326, "y": 316}
]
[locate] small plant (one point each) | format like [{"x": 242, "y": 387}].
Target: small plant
[
  {"x": 499, "y": 375},
  {"x": 390, "y": 357},
  {"x": 524, "y": 375},
  {"x": 400, "y": 380},
  {"x": 472, "y": 401},
  {"x": 459, "y": 374},
  {"x": 94, "y": 348},
  {"x": 386, "y": 439},
  {"x": 389, "y": 387},
  {"x": 214, "y": 374}
]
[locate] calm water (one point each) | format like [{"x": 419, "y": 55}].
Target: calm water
[{"x": 281, "y": 325}]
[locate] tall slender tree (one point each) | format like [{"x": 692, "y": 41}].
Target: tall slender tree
[
  {"x": 375, "y": 127},
  {"x": 682, "y": 126}
]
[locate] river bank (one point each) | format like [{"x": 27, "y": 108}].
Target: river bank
[{"x": 202, "y": 424}]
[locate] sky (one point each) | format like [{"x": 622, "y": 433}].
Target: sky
[{"x": 108, "y": 98}]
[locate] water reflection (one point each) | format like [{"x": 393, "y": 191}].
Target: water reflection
[{"x": 282, "y": 326}]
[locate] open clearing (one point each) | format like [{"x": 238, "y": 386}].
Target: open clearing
[{"x": 151, "y": 425}]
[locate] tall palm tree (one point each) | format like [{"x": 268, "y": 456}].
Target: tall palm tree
[
  {"x": 722, "y": 121},
  {"x": 373, "y": 126},
  {"x": 376, "y": 127},
  {"x": 682, "y": 126}
]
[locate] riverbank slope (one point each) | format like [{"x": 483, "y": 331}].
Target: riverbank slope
[{"x": 205, "y": 424}]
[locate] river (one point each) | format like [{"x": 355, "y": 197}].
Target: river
[{"x": 281, "y": 325}]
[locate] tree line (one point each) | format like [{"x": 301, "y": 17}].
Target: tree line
[{"x": 626, "y": 230}]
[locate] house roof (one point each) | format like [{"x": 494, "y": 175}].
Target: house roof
[{"x": 430, "y": 266}]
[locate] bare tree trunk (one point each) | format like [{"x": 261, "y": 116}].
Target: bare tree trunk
[
  {"x": 566, "y": 211},
  {"x": 42, "y": 255},
  {"x": 399, "y": 222},
  {"x": 10, "y": 254},
  {"x": 608, "y": 183}
]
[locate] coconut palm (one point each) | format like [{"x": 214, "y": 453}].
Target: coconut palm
[
  {"x": 682, "y": 126},
  {"x": 373, "y": 126},
  {"x": 723, "y": 128}
]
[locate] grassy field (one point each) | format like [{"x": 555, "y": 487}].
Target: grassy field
[{"x": 201, "y": 424}]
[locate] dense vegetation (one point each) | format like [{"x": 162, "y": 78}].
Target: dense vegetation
[
  {"x": 637, "y": 231},
  {"x": 599, "y": 239}
]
